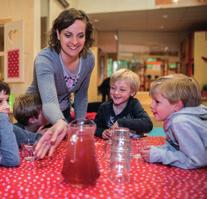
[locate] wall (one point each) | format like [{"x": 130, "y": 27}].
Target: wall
[
  {"x": 28, "y": 11},
  {"x": 96, "y": 6},
  {"x": 153, "y": 40},
  {"x": 54, "y": 9},
  {"x": 200, "y": 50},
  {"x": 142, "y": 43},
  {"x": 107, "y": 42},
  {"x": 92, "y": 91}
]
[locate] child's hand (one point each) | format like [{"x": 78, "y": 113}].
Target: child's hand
[
  {"x": 145, "y": 153},
  {"x": 115, "y": 125},
  {"x": 106, "y": 134}
]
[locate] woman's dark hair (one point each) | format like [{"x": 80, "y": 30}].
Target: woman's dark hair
[
  {"x": 66, "y": 19},
  {"x": 4, "y": 87}
]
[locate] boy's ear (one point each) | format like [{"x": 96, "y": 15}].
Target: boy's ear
[
  {"x": 178, "y": 105},
  {"x": 133, "y": 93},
  {"x": 32, "y": 120}
]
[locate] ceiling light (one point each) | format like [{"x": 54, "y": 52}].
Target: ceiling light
[
  {"x": 165, "y": 16},
  {"x": 116, "y": 37},
  {"x": 175, "y": 1},
  {"x": 96, "y": 20},
  {"x": 166, "y": 48}
]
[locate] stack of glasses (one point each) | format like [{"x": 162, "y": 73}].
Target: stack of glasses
[{"x": 120, "y": 150}]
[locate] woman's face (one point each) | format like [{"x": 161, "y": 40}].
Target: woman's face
[
  {"x": 72, "y": 39},
  {"x": 4, "y": 102}
]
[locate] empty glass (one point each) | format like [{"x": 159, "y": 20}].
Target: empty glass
[
  {"x": 121, "y": 139},
  {"x": 28, "y": 151},
  {"x": 119, "y": 162}
]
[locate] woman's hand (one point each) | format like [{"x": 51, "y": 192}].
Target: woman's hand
[
  {"x": 145, "y": 153},
  {"x": 51, "y": 139},
  {"x": 107, "y": 134},
  {"x": 42, "y": 129}
]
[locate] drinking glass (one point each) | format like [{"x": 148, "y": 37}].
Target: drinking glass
[
  {"x": 28, "y": 151},
  {"x": 119, "y": 162}
]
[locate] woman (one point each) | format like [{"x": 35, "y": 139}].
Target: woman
[{"x": 61, "y": 69}]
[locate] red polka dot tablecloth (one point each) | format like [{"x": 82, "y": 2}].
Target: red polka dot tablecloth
[{"x": 43, "y": 180}]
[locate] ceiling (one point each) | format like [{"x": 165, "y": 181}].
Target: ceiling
[{"x": 171, "y": 19}]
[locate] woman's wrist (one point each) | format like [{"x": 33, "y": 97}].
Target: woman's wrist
[{"x": 62, "y": 120}]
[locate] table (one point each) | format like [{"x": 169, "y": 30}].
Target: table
[{"x": 42, "y": 179}]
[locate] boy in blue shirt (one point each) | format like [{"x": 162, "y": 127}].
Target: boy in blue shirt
[
  {"x": 11, "y": 136},
  {"x": 176, "y": 100},
  {"x": 9, "y": 152}
]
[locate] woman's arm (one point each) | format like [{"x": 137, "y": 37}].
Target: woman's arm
[
  {"x": 46, "y": 67},
  {"x": 45, "y": 74},
  {"x": 9, "y": 152},
  {"x": 81, "y": 95}
]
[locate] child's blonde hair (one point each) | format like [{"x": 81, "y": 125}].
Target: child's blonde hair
[
  {"x": 177, "y": 87},
  {"x": 126, "y": 75}
]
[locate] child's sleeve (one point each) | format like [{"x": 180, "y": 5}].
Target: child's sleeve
[
  {"x": 9, "y": 152},
  {"x": 23, "y": 136},
  {"x": 191, "y": 153}
]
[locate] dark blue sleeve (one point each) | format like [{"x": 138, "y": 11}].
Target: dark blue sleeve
[{"x": 23, "y": 136}]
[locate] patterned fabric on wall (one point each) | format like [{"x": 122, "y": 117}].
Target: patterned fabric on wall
[{"x": 13, "y": 64}]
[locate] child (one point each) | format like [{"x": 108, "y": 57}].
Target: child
[
  {"x": 28, "y": 113},
  {"x": 9, "y": 152},
  {"x": 123, "y": 110},
  {"x": 176, "y": 100}
]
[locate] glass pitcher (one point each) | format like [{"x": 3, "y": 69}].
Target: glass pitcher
[{"x": 80, "y": 166}]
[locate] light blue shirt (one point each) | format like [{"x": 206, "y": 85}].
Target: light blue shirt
[
  {"x": 186, "y": 133},
  {"x": 9, "y": 151}
]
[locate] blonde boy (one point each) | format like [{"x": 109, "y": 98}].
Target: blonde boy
[
  {"x": 122, "y": 110},
  {"x": 176, "y": 100}
]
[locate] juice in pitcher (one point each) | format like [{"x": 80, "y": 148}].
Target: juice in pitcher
[{"x": 80, "y": 165}]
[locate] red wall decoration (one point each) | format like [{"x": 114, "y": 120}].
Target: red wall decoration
[{"x": 13, "y": 69}]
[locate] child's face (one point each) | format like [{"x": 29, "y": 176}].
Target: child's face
[
  {"x": 120, "y": 92},
  {"x": 41, "y": 120},
  {"x": 4, "y": 102},
  {"x": 161, "y": 107}
]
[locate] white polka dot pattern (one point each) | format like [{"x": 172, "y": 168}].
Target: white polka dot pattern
[{"x": 42, "y": 179}]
